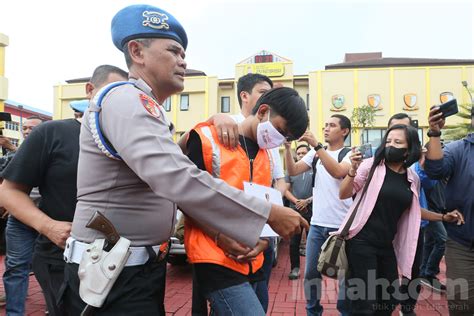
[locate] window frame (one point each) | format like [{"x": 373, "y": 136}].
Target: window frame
[
  {"x": 222, "y": 104},
  {"x": 181, "y": 107}
]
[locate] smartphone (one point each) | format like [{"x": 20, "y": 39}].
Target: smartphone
[
  {"x": 366, "y": 151},
  {"x": 5, "y": 117},
  {"x": 449, "y": 108}
]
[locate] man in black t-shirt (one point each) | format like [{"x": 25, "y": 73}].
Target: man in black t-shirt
[
  {"x": 48, "y": 160},
  {"x": 20, "y": 240}
]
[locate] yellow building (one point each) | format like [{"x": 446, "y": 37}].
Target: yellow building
[{"x": 390, "y": 85}]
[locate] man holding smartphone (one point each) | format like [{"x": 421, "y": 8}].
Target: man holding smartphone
[
  {"x": 455, "y": 162},
  {"x": 328, "y": 210}
]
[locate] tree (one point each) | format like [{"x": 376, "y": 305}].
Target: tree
[
  {"x": 363, "y": 117},
  {"x": 459, "y": 131}
]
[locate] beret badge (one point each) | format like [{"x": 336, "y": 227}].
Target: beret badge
[{"x": 155, "y": 20}]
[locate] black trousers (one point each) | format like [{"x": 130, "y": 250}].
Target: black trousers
[
  {"x": 408, "y": 305},
  {"x": 139, "y": 290},
  {"x": 296, "y": 240},
  {"x": 373, "y": 278},
  {"x": 50, "y": 276}
]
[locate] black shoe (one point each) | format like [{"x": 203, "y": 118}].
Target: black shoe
[{"x": 434, "y": 284}]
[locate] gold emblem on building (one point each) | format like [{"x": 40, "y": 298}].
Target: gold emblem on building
[
  {"x": 338, "y": 103},
  {"x": 375, "y": 101},
  {"x": 445, "y": 97},
  {"x": 155, "y": 20},
  {"x": 410, "y": 100}
]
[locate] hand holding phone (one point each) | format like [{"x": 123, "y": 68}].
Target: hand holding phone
[
  {"x": 366, "y": 151},
  {"x": 448, "y": 108}
]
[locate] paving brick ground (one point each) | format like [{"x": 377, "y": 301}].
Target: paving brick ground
[{"x": 286, "y": 297}]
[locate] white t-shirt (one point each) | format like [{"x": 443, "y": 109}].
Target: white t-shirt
[
  {"x": 328, "y": 209},
  {"x": 276, "y": 159}
]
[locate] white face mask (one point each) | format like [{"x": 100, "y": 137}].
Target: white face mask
[{"x": 267, "y": 135}]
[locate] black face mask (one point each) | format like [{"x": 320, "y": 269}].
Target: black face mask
[{"x": 394, "y": 154}]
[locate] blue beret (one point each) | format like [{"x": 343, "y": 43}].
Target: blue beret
[
  {"x": 79, "y": 106},
  {"x": 145, "y": 21}
]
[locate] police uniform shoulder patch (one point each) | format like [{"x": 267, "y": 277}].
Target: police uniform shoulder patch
[{"x": 150, "y": 105}]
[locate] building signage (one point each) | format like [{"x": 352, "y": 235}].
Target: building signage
[
  {"x": 375, "y": 101},
  {"x": 338, "y": 101},
  {"x": 267, "y": 69},
  {"x": 446, "y": 96},
  {"x": 410, "y": 100}
]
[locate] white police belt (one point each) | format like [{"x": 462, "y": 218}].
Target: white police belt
[{"x": 75, "y": 249}]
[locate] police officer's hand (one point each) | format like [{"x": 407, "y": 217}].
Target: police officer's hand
[
  {"x": 231, "y": 247},
  {"x": 227, "y": 130},
  {"x": 252, "y": 255},
  {"x": 286, "y": 222},
  {"x": 58, "y": 232}
]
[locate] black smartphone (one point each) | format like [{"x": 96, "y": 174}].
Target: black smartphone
[
  {"x": 5, "y": 117},
  {"x": 366, "y": 151},
  {"x": 449, "y": 108}
]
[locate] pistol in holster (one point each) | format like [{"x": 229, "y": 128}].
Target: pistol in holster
[{"x": 102, "y": 262}]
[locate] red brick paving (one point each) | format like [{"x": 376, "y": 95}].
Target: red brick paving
[{"x": 286, "y": 297}]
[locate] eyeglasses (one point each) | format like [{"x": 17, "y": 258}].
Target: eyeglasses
[{"x": 288, "y": 137}]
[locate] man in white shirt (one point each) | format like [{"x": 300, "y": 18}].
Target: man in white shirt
[{"x": 332, "y": 166}]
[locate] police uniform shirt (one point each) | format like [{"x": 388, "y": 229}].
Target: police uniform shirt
[{"x": 139, "y": 194}]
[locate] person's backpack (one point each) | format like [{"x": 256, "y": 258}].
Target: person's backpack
[{"x": 340, "y": 156}]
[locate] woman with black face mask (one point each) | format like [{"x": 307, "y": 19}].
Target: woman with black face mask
[
  {"x": 384, "y": 232},
  {"x": 385, "y": 229}
]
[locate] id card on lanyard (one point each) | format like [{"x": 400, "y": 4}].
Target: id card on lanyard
[{"x": 268, "y": 194}]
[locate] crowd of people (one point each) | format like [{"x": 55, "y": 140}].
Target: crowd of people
[{"x": 92, "y": 200}]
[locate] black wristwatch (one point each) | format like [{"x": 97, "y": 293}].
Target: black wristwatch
[
  {"x": 432, "y": 133},
  {"x": 318, "y": 147}
]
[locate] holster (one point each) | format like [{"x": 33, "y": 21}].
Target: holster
[{"x": 99, "y": 269}]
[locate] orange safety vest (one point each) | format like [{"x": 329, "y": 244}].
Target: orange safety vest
[{"x": 234, "y": 168}]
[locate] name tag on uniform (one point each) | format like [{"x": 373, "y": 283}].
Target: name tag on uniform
[{"x": 265, "y": 193}]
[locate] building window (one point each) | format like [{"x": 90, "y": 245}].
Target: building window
[
  {"x": 13, "y": 126},
  {"x": 307, "y": 103},
  {"x": 348, "y": 140},
  {"x": 184, "y": 102},
  {"x": 374, "y": 137},
  {"x": 420, "y": 135},
  {"x": 225, "y": 104},
  {"x": 167, "y": 104}
]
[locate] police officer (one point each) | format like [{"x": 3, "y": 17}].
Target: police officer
[{"x": 131, "y": 171}]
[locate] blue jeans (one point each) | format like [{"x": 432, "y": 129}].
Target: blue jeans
[
  {"x": 235, "y": 300},
  {"x": 261, "y": 287},
  {"x": 20, "y": 241},
  {"x": 433, "y": 251},
  {"x": 312, "y": 278}
]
